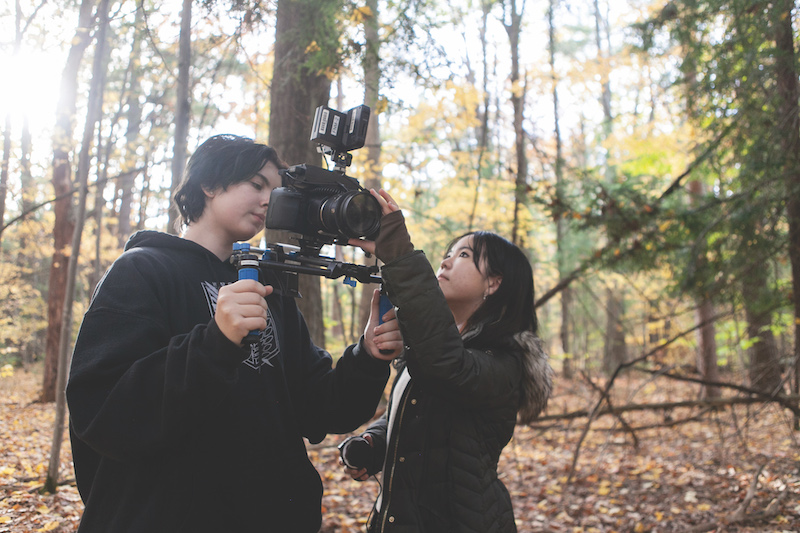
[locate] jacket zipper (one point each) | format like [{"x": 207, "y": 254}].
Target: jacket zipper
[{"x": 390, "y": 478}]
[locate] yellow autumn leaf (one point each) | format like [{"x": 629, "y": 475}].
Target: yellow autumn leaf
[
  {"x": 43, "y": 509},
  {"x": 50, "y": 526},
  {"x": 5, "y": 519}
]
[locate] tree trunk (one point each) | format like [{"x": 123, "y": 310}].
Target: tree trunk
[
  {"x": 64, "y": 224},
  {"x": 706, "y": 334},
  {"x": 4, "y": 167},
  {"x": 513, "y": 27},
  {"x": 182, "y": 108},
  {"x": 296, "y": 92},
  {"x": 372, "y": 82},
  {"x": 765, "y": 372},
  {"x": 561, "y": 223},
  {"x": 615, "y": 349},
  {"x": 707, "y": 348},
  {"x": 789, "y": 119},
  {"x": 95, "y": 109},
  {"x": 134, "y": 120},
  {"x": 483, "y": 115}
]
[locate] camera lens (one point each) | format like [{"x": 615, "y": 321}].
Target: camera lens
[{"x": 353, "y": 214}]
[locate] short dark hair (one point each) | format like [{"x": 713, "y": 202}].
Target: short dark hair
[
  {"x": 221, "y": 161},
  {"x": 510, "y": 309}
]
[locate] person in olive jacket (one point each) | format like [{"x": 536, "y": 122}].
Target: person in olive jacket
[{"x": 472, "y": 363}]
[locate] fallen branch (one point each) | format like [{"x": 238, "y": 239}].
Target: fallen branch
[{"x": 708, "y": 402}]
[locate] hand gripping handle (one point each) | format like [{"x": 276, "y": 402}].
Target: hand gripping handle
[
  {"x": 248, "y": 269},
  {"x": 384, "y": 305}
]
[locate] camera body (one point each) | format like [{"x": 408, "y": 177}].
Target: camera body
[{"x": 327, "y": 206}]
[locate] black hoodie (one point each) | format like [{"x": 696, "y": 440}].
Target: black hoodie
[{"x": 174, "y": 428}]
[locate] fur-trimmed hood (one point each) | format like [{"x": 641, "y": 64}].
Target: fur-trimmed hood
[{"x": 537, "y": 381}]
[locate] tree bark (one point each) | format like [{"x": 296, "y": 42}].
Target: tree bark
[
  {"x": 615, "y": 348},
  {"x": 134, "y": 120},
  {"x": 765, "y": 372},
  {"x": 788, "y": 116},
  {"x": 561, "y": 222},
  {"x": 182, "y": 108},
  {"x": 372, "y": 83},
  {"x": 95, "y": 109},
  {"x": 296, "y": 92},
  {"x": 62, "y": 184},
  {"x": 706, "y": 334},
  {"x": 513, "y": 25}
]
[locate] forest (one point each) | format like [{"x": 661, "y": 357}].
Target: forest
[{"x": 644, "y": 154}]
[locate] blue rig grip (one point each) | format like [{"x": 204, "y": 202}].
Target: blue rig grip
[
  {"x": 385, "y": 304},
  {"x": 249, "y": 272}
]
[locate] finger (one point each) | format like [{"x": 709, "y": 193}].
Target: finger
[
  {"x": 390, "y": 203},
  {"x": 367, "y": 246}
]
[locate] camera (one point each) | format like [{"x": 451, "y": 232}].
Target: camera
[
  {"x": 324, "y": 207},
  {"x": 327, "y": 206}
]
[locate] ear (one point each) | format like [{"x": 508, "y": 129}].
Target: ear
[
  {"x": 494, "y": 284},
  {"x": 208, "y": 193}
]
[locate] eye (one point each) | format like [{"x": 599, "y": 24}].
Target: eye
[{"x": 257, "y": 185}]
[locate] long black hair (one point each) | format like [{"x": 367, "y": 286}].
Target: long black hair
[
  {"x": 509, "y": 309},
  {"x": 218, "y": 163}
]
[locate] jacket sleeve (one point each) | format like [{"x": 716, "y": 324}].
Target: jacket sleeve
[
  {"x": 340, "y": 398},
  {"x": 135, "y": 389},
  {"x": 434, "y": 348}
]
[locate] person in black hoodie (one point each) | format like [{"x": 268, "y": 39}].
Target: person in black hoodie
[
  {"x": 472, "y": 365},
  {"x": 175, "y": 424}
]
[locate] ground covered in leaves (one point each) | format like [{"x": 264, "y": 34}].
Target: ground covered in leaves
[{"x": 733, "y": 469}]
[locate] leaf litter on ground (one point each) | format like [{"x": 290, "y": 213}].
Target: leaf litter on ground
[{"x": 694, "y": 476}]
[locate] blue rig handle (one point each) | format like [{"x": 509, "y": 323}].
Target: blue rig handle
[
  {"x": 248, "y": 269},
  {"x": 384, "y": 305}
]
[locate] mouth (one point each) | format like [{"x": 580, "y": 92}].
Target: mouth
[{"x": 261, "y": 218}]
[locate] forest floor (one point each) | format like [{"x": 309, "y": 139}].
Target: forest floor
[{"x": 733, "y": 469}]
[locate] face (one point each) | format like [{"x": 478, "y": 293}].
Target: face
[
  {"x": 239, "y": 212},
  {"x": 463, "y": 285}
]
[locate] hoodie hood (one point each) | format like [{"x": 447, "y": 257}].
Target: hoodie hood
[{"x": 157, "y": 239}]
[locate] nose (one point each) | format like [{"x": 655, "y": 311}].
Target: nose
[
  {"x": 445, "y": 263},
  {"x": 265, "y": 194}
]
